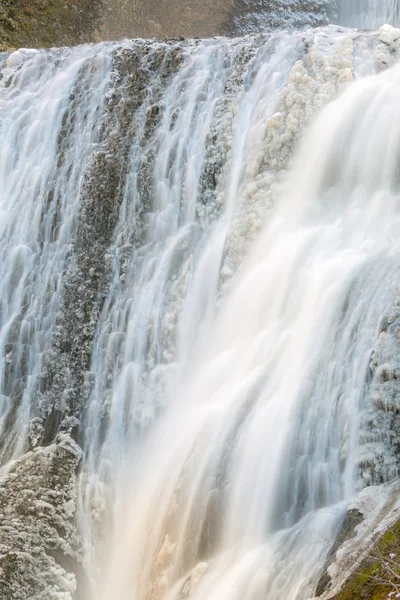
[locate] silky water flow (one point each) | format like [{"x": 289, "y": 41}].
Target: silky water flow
[
  {"x": 240, "y": 488},
  {"x": 199, "y": 241}
]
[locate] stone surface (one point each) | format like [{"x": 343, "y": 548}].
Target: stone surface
[
  {"x": 44, "y": 23},
  {"x": 39, "y": 545}
]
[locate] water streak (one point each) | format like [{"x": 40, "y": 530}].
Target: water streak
[{"x": 49, "y": 124}]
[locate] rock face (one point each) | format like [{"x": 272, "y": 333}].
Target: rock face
[
  {"x": 206, "y": 18},
  {"x": 367, "y": 563},
  {"x": 44, "y": 23},
  {"x": 162, "y": 19}
]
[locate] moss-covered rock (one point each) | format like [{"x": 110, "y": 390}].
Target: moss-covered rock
[
  {"x": 379, "y": 573},
  {"x": 44, "y": 23}
]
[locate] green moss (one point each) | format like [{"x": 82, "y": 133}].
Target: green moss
[
  {"x": 391, "y": 540},
  {"x": 364, "y": 584},
  {"x": 44, "y": 23},
  {"x": 372, "y": 580}
]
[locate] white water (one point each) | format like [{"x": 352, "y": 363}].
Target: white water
[
  {"x": 368, "y": 14},
  {"x": 230, "y": 363},
  {"x": 40, "y": 185},
  {"x": 239, "y": 490},
  {"x": 158, "y": 313}
]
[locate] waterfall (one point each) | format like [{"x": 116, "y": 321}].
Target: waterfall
[
  {"x": 256, "y": 455},
  {"x": 48, "y": 128},
  {"x": 368, "y": 14},
  {"x": 199, "y": 246}
]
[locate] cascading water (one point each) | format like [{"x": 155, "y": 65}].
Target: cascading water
[
  {"x": 189, "y": 298},
  {"x": 48, "y": 131},
  {"x": 258, "y": 449},
  {"x": 368, "y": 14}
]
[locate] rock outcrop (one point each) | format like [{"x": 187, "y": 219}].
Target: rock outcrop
[
  {"x": 39, "y": 545},
  {"x": 45, "y": 23}
]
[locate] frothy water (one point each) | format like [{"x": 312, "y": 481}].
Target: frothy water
[{"x": 199, "y": 241}]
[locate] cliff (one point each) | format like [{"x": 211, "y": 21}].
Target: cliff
[
  {"x": 47, "y": 23},
  {"x": 44, "y": 23}
]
